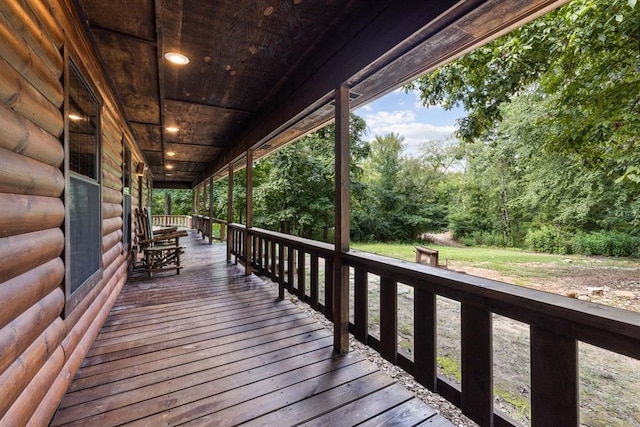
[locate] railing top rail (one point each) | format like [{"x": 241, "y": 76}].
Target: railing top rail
[
  {"x": 607, "y": 327},
  {"x": 325, "y": 249}
]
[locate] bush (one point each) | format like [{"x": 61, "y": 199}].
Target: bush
[
  {"x": 551, "y": 240},
  {"x": 607, "y": 243}
]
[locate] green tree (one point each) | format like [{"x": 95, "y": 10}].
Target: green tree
[
  {"x": 582, "y": 57},
  {"x": 181, "y": 202},
  {"x": 297, "y": 193}
]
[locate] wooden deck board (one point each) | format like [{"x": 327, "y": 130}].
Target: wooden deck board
[{"x": 213, "y": 347}]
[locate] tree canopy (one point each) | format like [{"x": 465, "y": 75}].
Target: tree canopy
[{"x": 582, "y": 59}]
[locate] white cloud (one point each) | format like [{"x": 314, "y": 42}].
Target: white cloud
[{"x": 403, "y": 122}]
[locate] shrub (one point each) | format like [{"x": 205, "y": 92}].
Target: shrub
[
  {"x": 607, "y": 243},
  {"x": 548, "y": 239}
]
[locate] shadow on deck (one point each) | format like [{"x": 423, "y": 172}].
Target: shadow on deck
[{"x": 213, "y": 347}]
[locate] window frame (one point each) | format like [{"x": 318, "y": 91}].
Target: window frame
[
  {"x": 73, "y": 299},
  {"x": 127, "y": 175}
]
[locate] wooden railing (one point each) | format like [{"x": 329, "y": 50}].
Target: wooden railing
[
  {"x": 182, "y": 221},
  {"x": 556, "y": 322},
  {"x": 204, "y": 225}
]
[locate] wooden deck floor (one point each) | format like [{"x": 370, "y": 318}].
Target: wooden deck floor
[{"x": 213, "y": 347}]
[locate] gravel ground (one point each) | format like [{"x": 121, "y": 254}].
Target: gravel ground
[{"x": 443, "y": 406}]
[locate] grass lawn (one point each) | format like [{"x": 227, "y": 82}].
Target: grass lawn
[{"x": 519, "y": 264}]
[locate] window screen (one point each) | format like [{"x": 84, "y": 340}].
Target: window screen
[{"x": 84, "y": 214}]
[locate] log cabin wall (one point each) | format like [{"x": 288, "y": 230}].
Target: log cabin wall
[{"x": 42, "y": 344}]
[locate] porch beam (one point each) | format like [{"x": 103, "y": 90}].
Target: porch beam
[
  {"x": 249, "y": 214},
  {"x": 230, "y": 211},
  {"x": 341, "y": 271}
]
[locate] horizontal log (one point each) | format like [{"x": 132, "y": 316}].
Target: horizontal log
[
  {"x": 21, "y": 96},
  {"x": 16, "y": 377},
  {"x": 49, "y": 403},
  {"x": 21, "y": 253},
  {"x": 111, "y": 255},
  {"x": 19, "y": 135},
  {"x": 110, "y": 150},
  {"x": 111, "y": 124},
  {"x": 21, "y": 175},
  {"x": 48, "y": 22},
  {"x": 25, "y": 405},
  {"x": 18, "y": 17},
  {"x": 24, "y": 214},
  {"x": 110, "y": 166},
  {"x": 113, "y": 136},
  {"x": 111, "y": 196},
  {"x": 111, "y": 210},
  {"x": 110, "y": 240},
  {"x": 29, "y": 64},
  {"x": 110, "y": 225},
  {"x": 81, "y": 320},
  {"x": 18, "y": 335},
  {"x": 27, "y": 289},
  {"x": 111, "y": 181}
]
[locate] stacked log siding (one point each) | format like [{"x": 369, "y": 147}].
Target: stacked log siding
[{"x": 41, "y": 348}]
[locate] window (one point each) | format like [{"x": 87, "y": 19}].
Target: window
[
  {"x": 83, "y": 222},
  {"x": 126, "y": 199}
]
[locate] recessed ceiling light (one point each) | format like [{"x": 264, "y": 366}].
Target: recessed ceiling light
[
  {"x": 169, "y": 166},
  {"x": 172, "y": 129},
  {"x": 171, "y": 153},
  {"x": 176, "y": 58},
  {"x": 75, "y": 117}
]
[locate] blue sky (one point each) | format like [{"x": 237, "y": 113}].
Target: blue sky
[{"x": 404, "y": 114}]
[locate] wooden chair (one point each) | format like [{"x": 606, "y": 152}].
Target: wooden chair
[{"x": 161, "y": 248}]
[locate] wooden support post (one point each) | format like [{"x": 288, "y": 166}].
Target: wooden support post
[
  {"x": 477, "y": 364},
  {"x": 425, "y": 332},
  {"x": 554, "y": 379},
  {"x": 249, "y": 214},
  {"x": 230, "y": 211},
  {"x": 210, "y": 210},
  {"x": 342, "y": 234}
]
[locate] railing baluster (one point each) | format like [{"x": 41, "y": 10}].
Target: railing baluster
[
  {"x": 274, "y": 272},
  {"x": 328, "y": 288},
  {"x": 361, "y": 305},
  {"x": 290, "y": 269},
  {"x": 425, "y": 338},
  {"x": 314, "y": 281},
  {"x": 261, "y": 255},
  {"x": 301, "y": 274},
  {"x": 281, "y": 281},
  {"x": 554, "y": 379},
  {"x": 477, "y": 364},
  {"x": 388, "y": 319}
]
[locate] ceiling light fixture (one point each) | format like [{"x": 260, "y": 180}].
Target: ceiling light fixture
[
  {"x": 169, "y": 166},
  {"x": 75, "y": 117},
  {"x": 172, "y": 129},
  {"x": 176, "y": 58},
  {"x": 171, "y": 153}
]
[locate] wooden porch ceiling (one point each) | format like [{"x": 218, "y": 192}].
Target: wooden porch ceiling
[
  {"x": 215, "y": 347},
  {"x": 262, "y": 73}
]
